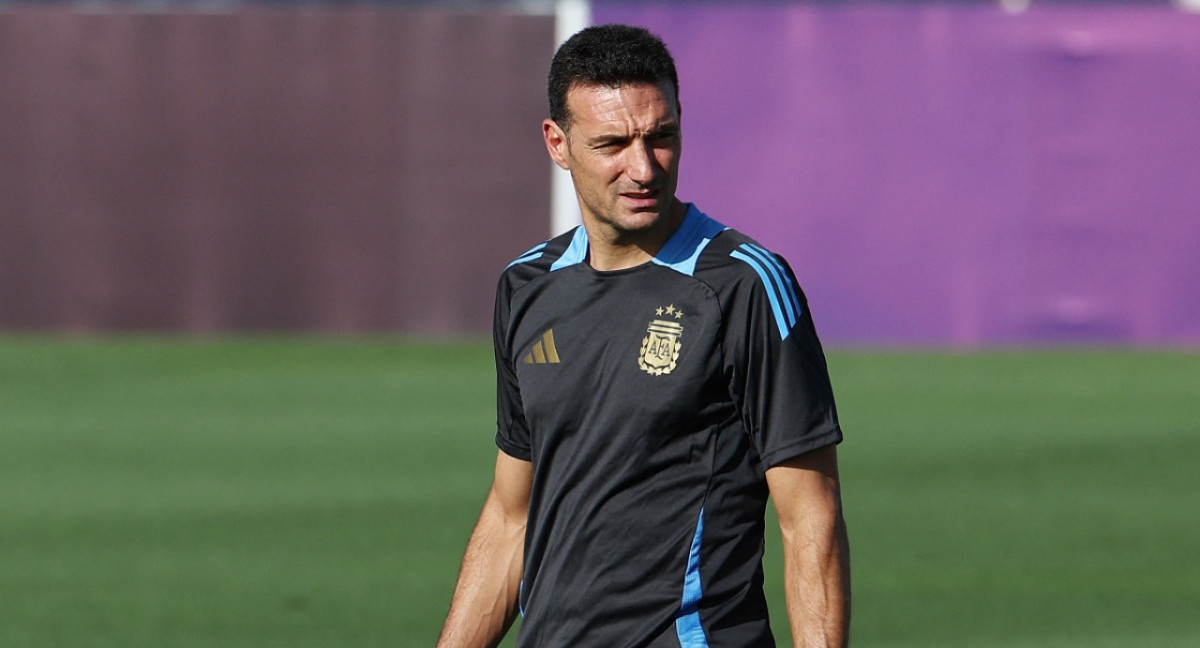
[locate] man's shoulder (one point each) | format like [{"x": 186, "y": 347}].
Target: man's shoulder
[
  {"x": 545, "y": 257},
  {"x": 733, "y": 257},
  {"x": 727, "y": 242}
]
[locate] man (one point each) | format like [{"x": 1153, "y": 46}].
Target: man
[{"x": 659, "y": 376}]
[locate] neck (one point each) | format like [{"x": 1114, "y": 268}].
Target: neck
[{"x": 611, "y": 249}]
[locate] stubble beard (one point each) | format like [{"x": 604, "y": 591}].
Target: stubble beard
[{"x": 631, "y": 226}]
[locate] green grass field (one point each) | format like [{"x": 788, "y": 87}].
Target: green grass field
[{"x": 292, "y": 492}]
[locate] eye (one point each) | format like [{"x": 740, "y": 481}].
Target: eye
[
  {"x": 665, "y": 136},
  {"x": 606, "y": 145}
]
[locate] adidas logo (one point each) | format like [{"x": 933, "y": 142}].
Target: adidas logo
[{"x": 543, "y": 350}]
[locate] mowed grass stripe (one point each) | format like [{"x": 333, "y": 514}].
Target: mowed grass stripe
[{"x": 307, "y": 492}]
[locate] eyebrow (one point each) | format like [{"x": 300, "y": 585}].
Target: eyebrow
[{"x": 602, "y": 140}]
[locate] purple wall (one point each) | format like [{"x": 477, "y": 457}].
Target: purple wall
[{"x": 953, "y": 174}]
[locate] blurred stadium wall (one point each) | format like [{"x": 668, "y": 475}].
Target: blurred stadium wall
[
  {"x": 200, "y": 168},
  {"x": 937, "y": 173}
]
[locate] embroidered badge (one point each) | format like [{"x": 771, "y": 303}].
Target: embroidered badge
[{"x": 660, "y": 347}]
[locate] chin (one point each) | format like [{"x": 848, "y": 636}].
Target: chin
[{"x": 639, "y": 221}]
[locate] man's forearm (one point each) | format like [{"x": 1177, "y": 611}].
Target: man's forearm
[
  {"x": 817, "y": 575},
  {"x": 816, "y": 552},
  {"x": 485, "y": 598}
]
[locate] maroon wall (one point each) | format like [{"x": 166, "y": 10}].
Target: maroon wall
[{"x": 313, "y": 168}]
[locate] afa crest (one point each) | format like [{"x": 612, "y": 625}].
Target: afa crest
[{"x": 660, "y": 347}]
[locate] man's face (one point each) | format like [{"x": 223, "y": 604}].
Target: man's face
[{"x": 622, "y": 148}]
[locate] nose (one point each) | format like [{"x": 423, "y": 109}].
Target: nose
[{"x": 641, "y": 165}]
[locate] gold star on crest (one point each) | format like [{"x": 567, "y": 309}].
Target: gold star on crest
[{"x": 669, "y": 310}]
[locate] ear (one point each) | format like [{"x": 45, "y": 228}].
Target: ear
[{"x": 556, "y": 143}]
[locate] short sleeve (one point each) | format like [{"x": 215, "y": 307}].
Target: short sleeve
[
  {"x": 512, "y": 432},
  {"x": 778, "y": 374}
]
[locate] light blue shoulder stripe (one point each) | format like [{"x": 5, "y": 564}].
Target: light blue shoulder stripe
[
  {"x": 786, "y": 278},
  {"x": 576, "y": 252},
  {"x": 683, "y": 249},
  {"x": 687, "y": 620},
  {"x": 781, "y": 281},
  {"x": 534, "y": 253},
  {"x": 773, "y": 295}
]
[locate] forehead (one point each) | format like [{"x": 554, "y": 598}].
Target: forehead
[{"x": 643, "y": 104}]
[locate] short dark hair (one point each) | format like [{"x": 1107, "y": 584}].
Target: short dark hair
[{"x": 608, "y": 55}]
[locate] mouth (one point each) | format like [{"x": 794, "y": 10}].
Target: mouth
[{"x": 644, "y": 199}]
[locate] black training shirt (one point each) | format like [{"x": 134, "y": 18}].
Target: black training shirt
[{"x": 651, "y": 401}]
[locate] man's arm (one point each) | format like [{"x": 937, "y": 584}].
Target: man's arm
[
  {"x": 816, "y": 552},
  {"x": 485, "y": 599}
]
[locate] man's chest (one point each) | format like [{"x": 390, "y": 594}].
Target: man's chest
[{"x": 590, "y": 350}]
